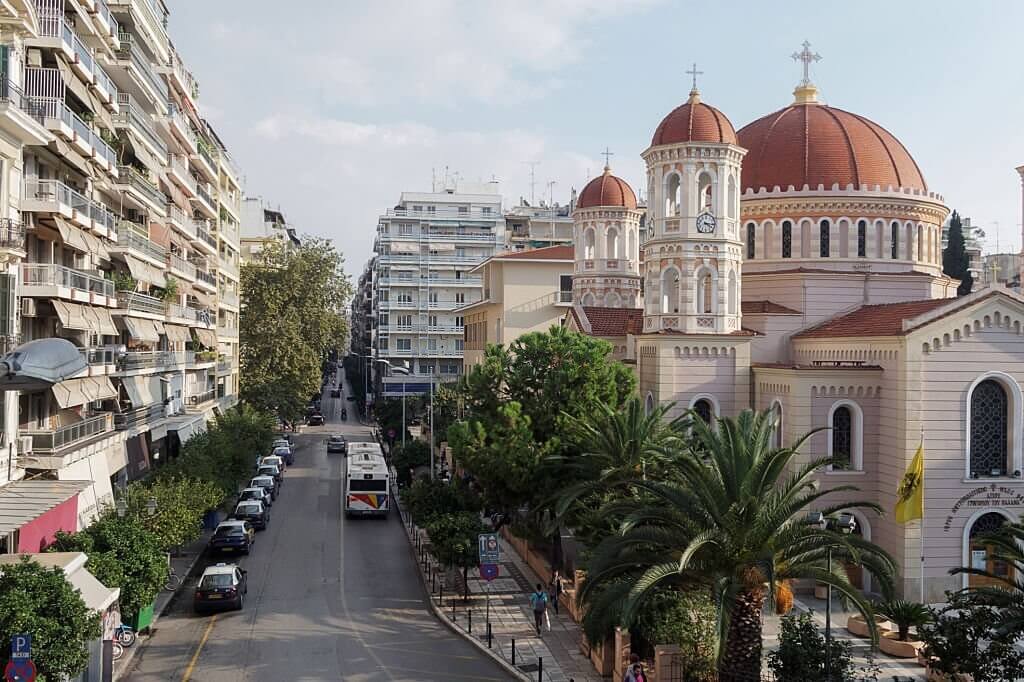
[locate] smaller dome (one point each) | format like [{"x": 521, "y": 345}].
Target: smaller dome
[
  {"x": 607, "y": 190},
  {"x": 694, "y": 121}
]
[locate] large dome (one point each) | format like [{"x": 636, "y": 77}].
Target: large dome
[
  {"x": 607, "y": 190},
  {"x": 694, "y": 121},
  {"x": 812, "y": 144}
]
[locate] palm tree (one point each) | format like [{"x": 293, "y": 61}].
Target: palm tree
[
  {"x": 735, "y": 523},
  {"x": 1006, "y": 544}
]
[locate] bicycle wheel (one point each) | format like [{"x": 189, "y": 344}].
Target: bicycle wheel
[
  {"x": 173, "y": 582},
  {"x": 126, "y": 637},
  {"x": 118, "y": 650}
]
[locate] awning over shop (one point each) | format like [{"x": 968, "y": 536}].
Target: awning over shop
[
  {"x": 206, "y": 337},
  {"x": 25, "y": 501},
  {"x": 75, "y": 392},
  {"x": 72, "y": 236},
  {"x": 143, "y": 390},
  {"x": 95, "y": 594},
  {"x": 72, "y": 315},
  {"x": 177, "y": 334},
  {"x": 144, "y": 272},
  {"x": 141, "y": 330}
]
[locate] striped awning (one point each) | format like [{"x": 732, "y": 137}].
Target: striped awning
[
  {"x": 142, "y": 330},
  {"x": 144, "y": 272},
  {"x": 177, "y": 334},
  {"x": 73, "y": 316},
  {"x": 75, "y": 392},
  {"x": 206, "y": 337}
]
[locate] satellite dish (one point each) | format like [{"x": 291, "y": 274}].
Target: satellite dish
[{"x": 38, "y": 365}]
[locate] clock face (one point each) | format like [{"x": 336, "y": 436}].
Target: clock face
[{"x": 705, "y": 223}]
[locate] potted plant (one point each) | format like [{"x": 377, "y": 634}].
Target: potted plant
[
  {"x": 904, "y": 615},
  {"x": 170, "y": 291},
  {"x": 123, "y": 281}
]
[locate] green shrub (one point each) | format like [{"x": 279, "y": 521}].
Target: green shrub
[
  {"x": 686, "y": 618},
  {"x": 905, "y": 614},
  {"x": 414, "y": 454},
  {"x": 963, "y": 638},
  {"x": 425, "y": 499},
  {"x": 801, "y": 654}
]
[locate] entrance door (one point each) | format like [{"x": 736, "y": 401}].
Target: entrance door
[{"x": 980, "y": 554}]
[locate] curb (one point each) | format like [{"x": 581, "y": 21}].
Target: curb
[{"x": 439, "y": 614}]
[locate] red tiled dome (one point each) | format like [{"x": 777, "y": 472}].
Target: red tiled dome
[
  {"x": 694, "y": 121},
  {"x": 813, "y": 144},
  {"x": 606, "y": 190}
]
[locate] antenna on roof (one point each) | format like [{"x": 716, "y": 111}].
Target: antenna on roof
[{"x": 533, "y": 178}]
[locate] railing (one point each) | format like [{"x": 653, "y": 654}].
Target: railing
[
  {"x": 204, "y": 151},
  {"x": 204, "y": 234},
  {"x": 477, "y": 214},
  {"x": 12, "y": 94},
  {"x": 227, "y": 330},
  {"x": 47, "y": 274},
  {"x": 133, "y": 178},
  {"x": 178, "y": 263},
  {"x": 104, "y": 81},
  {"x": 129, "y": 238},
  {"x": 204, "y": 194},
  {"x": 12, "y": 234},
  {"x": 105, "y": 217},
  {"x": 128, "y": 51},
  {"x": 54, "y": 440},
  {"x": 228, "y": 161},
  {"x": 49, "y": 108},
  {"x": 179, "y": 164},
  {"x": 184, "y": 75},
  {"x": 565, "y": 297},
  {"x": 208, "y": 277},
  {"x": 443, "y": 235},
  {"x": 178, "y": 117},
  {"x": 224, "y": 366},
  {"x": 106, "y": 16},
  {"x": 153, "y": 359},
  {"x": 98, "y": 356},
  {"x": 130, "y": 114},
  {"x": 82, "y": 52},
  {"x": 424, "y": 257},
  {"x": 204, "y": 397},
  {"x": 433, "y": 281},
  {"x": 141, "y": 303},
  {"x": 176, "y": 215},
  {"x": 140, "y": 415}
]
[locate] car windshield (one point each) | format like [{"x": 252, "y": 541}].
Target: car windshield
[
  {"x": 262, "y": 481},
  {"x": 248, "y": 509},
  {"x": 268, "y": 470},
  {"x": 272, "y": 461},
  {"x": 224, "y": 531},
  {"x": 252, "y": 494},
  {"x": 337, "y": 439},
  {"x": 216, "y": 580}
]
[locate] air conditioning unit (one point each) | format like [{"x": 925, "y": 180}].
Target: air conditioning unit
[
  {"x": 24, "y": 445},
  {"x": 28, "y": 307}
]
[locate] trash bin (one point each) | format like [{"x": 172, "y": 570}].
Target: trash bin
[{"x": 211, "y": 519}]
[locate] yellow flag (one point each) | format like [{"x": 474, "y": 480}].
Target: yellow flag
[{"x": 910, "y": 494}]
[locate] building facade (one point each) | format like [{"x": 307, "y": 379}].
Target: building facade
[
  {"x": 120, "y": 222},
  {"x": 262, "y": 225},
  {"x": 534, "y": 227}
]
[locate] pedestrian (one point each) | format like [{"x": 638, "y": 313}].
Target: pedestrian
[
  {"x": 633, "y": 669},
  {"x": 555, "y": 590},
  {"x": 539, "y": 602}
]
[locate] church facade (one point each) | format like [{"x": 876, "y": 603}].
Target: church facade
[{"x": 796, "y": 264}]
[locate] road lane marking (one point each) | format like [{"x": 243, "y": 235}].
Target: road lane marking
[{"x": 199, "y": 649}]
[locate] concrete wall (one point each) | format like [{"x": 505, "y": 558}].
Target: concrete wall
[{"x": 682, "y": 369}]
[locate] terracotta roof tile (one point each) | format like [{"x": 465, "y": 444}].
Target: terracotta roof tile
[
  {"x": 613, "y": 321},
  {"x": 753, "y": 307},
  {"x": 694, "y": 121},
  {"x": 607, "y": 190},
  {"x": 885, "y": 319},
  {"x": 560, "y": 252}
]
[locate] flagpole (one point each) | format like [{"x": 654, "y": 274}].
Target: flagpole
[{"x": 920, "y": 446}]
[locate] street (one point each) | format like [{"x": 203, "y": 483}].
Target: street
[{"x": 329, "y": 598}]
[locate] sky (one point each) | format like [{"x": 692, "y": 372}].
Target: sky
[{"x": 332, "y": 108}]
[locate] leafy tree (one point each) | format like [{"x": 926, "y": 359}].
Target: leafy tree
[
  {"x": 295, "y": 300},
  {"x": 414, "y": 454},
  {"x": 965, "y": 638},
  {"x": 142, "y": 560},
  {"x": 41, "y": 602},
  {"x": 1006, "y": 594},
  {"x": 453, "y": 541},
  {"x": 180, "y": 505},
  {"x": 685, "y": 618},
  {"x": 426, "y": 499},
  {"x": 103, "y": 565},
  {"x": 955, "y": 261},
  {"x": 802, "y": 652},
  {"x": 735, "y": 523}
]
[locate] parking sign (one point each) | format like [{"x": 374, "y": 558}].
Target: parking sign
[{"x": 21, "y": 646}]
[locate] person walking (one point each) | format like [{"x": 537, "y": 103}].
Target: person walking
[
  {"x": 634, "y": 671},
  {"x": 539, "y": 603},
  {"x": 555, "y": 590}
]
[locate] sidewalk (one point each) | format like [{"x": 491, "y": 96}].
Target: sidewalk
[
  {"x": 183, "y": 563},
  {"x": 554, "y": 655}
]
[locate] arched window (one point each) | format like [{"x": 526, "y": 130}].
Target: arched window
[
  {"x": 777, "y": 429},
  {"x": 732, "y": 293},
  {"x": 704, "y": 193},
  {"x": 673, "y": 198},
  {"x": 649, "y": 403},
  {"x": 862, "y": 238},
  {"x": 706, "y": 295},
  {"x": 824, "y": 239},
  {"x": 612, "y": 300},
  {"x": 989, "y": 430},
  {"x": 705, "y": 410},
  {"x": 612, "y": 245},
  {"x": 842, "y": 437},
  {"x": 787, "y": 239},
  {"x": 751, "y": 244},
  {"x": 921, "y": 253},
  {"x": 894, "y": 237},
  {"x": 588, "y": 299},
  {"x": 980, "y": 552},
  {"x": 670, "y": 291},
  {"x": 588, "y": 243},
  {"x": 730, "y": 209}
]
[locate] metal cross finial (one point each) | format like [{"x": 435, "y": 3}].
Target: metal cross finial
[
  {"x": 807, "y": 57},
  {"x": 694, "y": 72},
  {"x": 607, "y": 157}
]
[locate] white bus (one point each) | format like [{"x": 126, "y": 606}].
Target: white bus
[
  {"x": 364, "y": 447},
  {"x": 367, "y": 484}
]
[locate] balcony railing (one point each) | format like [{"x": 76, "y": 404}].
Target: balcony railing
[
  {"x": 204, "y": 397},
  {"x": 12, "y": 94},
  {"x": 179, "y": 118},
  {"x": 204, "y": 234},
  {"x": 227, "y": 329},
  {"x": 208, "y": 277},
  {"x": 98, "y": 356},
  {"x": 224, "y": 366},
  {"x": 12, "y": 234},
  {"x": 130, "y": 113},
  {"x": 204, "y": 194},
  {"x": 447, "y": 214},
  {"x": 178, "y": 263},
  {"x": 45, "y": 274},
  {"x": 61, "y": 438},
  {"x": 106, "y": 16},
  {"x": 55, "y": 109},
  {"x": 57, "y": 191},
  {"x": 153, "y": 359},
  {"x": 176, "y": 215},
  {"x": 130, "y": 52},
  {"x": 136, "y": 180},
  {"x": 565, "y": 297},
  {"x": 184, "y": 75},
  {"x": 128, "y": 237},
  {"x": 141, "y": 303},
  {"x": 229, "y": 298},
  {"x": 208, "y": 155},
  {"x": 140, "y": 415}
]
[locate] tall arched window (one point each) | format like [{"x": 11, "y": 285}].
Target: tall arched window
[
  {"x": 670, "y": 291},
  {"x": 732, "y": 293},
  {"x": 705, "y": 292},
  {"x": 894, "y": 238},
  {"x": 787, "y": 239},
  {"x": 730, "y": 210},
  {"x": 842, "y": 437},
  {"x": 862, "y": 238},
  {"x": 704, "y": 193},
  {"x": 777, "y": 429},
  {"x": 649, "y": 404},
  {"x": 704, "y": 410},
  {"x": 612, "y": 244},
  {"x": 989, "y": 430},
  {"x": 751, "y": 244},
  {"x": 824, "y": 239},
  {"x": 980, "y": 552},
  {"x": 673, "y": 198},
  {"x": 588, "y": 243},
  {"x": 921, "y": 253}
]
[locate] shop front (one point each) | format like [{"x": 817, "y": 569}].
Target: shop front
[{"x": 32, "y": 511}]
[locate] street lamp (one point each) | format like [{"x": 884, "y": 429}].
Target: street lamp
[{"x": 844, "y": 524}]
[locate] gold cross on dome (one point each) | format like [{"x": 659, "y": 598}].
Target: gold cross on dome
[
  {"x": 694, "y": 72},
  {"x": 607, "y": 153},
  {"x": 807, "y": 57}
]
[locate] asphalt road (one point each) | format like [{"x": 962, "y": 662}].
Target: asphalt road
[{"x": 329, "y": 598}]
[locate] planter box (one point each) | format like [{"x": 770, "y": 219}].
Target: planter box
[
  {"x": 858, "y": 626},
  {"x": 889, "y": 644},
  {"x": 143, "y": 619},
  {"x": 936, "y": 676}
]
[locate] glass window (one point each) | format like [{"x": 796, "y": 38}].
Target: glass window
[
  {"x": 842, "y": 438},
  {"x": 824, "y": 239},
  {"x": 787, "y": 239},
  {"x": 704, "y": 410},
  {"x": 989, "y": 422},
  {"x": 362, "y": 486},
  {"x": 895, "y": 240},
  {"x": 751, "y": 246},
  {"x": 862, "y": 239}
]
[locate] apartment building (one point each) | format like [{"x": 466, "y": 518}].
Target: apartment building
[
  {"x": 535, "y": 227},
  {"x": 119, "y": 219},
  {"x": 426, "y": 246},
  {"x": 263, "y": 224},
  {"x": 362, "y": 332}
]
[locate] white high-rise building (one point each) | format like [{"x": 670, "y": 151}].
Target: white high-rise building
[{"x": 426, "y": 245}]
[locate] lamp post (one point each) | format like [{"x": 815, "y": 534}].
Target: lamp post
[{"x": 845, "y": 524}]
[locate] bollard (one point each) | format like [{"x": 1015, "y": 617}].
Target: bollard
[
  {"x": 440, "y": 596},
  {"x": 433, "y": 580},
  {"x": 513, "y": 651},
  {"x": 453, "y": 608},
  {"x": 469, "y": 619},
  {"x": 540, "y": 669},
  {"x": 489, "y": 636}
]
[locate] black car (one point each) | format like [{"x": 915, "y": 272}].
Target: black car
[
  {"x": 232, "y": 536},
  {"x": 222, "y": 586},
  {"x": 257, "y": 494},
  {"x": 315, "y": 420},
  {"x": 254, "y": 512},
  {"x": 337, "y": 444}
]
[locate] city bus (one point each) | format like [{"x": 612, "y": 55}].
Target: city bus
[
  {"x": 364, "y": 447},
  {"x": 367, "y": 484}
]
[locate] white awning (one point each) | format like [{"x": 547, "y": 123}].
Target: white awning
[
  {"x": 141, "y": 330},
  {"x": 442, "y": 246},
  {"x": 206, "y": 337},
  {"x": 72, "y": 316},
  {"x": 105, "y": 322},
  {"x": 143, "y": 390},
  {"x": 177, "y": 334},
  {"x": 96, "y": 246},
  {"x": 72, "y": 236},
  {"x": 144, "y": 272},
  {"x": 405, "y": 247},
  {"x": 75, "y": 392}
]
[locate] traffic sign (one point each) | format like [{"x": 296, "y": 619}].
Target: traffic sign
[
  {"x": 21, "y": 646},
  {"x": 20, "y": 670},
  {"x": 489, "y": 550},
  {"x": 488, "y": 571}
]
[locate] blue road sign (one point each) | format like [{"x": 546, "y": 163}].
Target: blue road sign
[
  {"x": 21, "y": 646},
  {"x": 490, "y": 551},
  {"x": 488, "y": 571},
  {"x": 22, "y": 670}
]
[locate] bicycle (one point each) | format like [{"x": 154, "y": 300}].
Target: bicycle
[
  {"x": 173, "y": 581},
  {"x": 117, "y": 650},
  {"x": 125, "y": 635}
]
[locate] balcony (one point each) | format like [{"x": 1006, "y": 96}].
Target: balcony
[
  {"x": 108, "y": 24},
  {"x": 20, "y": 117},
  {"x": 206, "y": 280},
  {"x": 201, "y": 399},
  {"x": 204, "y": 239},
  {"x": 131, "y": 238},
  {"x": 142, "y": 189},
  {"x": 133, "y": 117},
  {"x": 229, "y": 299},
  {"x": 12, "y": 235},
  {"x": 182, "y": 77},
  {"x": 224, "y": 366},
  {"x": 59, "y": 119},
  {"x": 147, "y": 414},
  {"x": 134, "y": 361},
  {"x": 132, "y": 302},
  {"x": 181, "y": 175},
  {"x": 204, "y": 200},
  {"x": 53, "y": 196},
  {"x": 181, "y": 267},
  {"x": 205, "y": 160},
  {"x": 448, "y": 214},
  {"x": 137, "y": 64},
  {"x": 44, "y": 280},
  {"x": 180, "y": 127},
  {"x": 227, "y": 331},
  {"x": 59, "y": 439}
]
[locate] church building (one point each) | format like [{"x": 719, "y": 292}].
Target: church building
[{"x": 796, "y": 264}]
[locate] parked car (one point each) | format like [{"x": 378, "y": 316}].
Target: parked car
[
  {"x": 254, "y": 512},
  {"x": 232, "y": 536},
  {"x": 275, "y": 460},
  {"x": 335, "y": 392},
  {"x": 221, "y": 586},
  {"x": 286, "y": 452},
  {"x": 258, "y": 495},
  {"x": 337, "y": 444},
  {"x": 267, "y": 483},
  {"x": 271, "y": 470},
  {"x": 350, "y": 398},
  {"x": 315, "y": 420}
]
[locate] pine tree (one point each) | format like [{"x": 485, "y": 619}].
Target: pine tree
[{"x": 955, "y": 261}]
